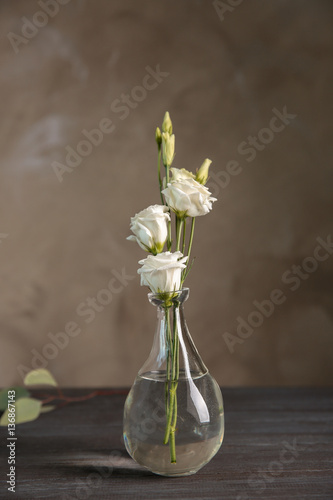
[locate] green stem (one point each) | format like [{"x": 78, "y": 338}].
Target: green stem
[
  {"x": 169, "y": 414},
  {"x": 184, "y": 238},
  {"x": 177, "y": 354},
  {"x": 172, "y": 384},
  {"x": 168, "y": 376},
  {"x": 172, "y": 445},
  {"x": 168, "y": 342},
  {"x": 174, "y": 346},
  {"x": 189, "y": 264},
  {"x": 174, "y": 421},
  {"x": 167, "y": 168},
  {"x": 175, "y": 377},
  {"x": 169, "y": 240},
  {"x": 176, "y": 226},
  {"x": 179, "y": 231},
  {"x": 159, "y": 173},
  {"x": 191, "y": 240}
]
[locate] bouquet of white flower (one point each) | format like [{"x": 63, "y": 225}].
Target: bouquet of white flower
[{"x": 183, "y": 194}]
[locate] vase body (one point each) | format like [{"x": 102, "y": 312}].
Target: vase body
[{"x": 173, "y": 415}]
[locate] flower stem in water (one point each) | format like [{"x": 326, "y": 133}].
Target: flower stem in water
[{"x": 171, "y": 383}]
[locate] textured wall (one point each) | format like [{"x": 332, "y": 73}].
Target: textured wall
[{"x": 225, "y": 77}]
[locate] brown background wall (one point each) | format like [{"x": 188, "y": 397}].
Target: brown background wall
[{"x": 65, "y": 239}]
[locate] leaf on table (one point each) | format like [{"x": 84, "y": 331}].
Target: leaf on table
[
  {"x": 40, "y": 377},
  {"x": 20, "y": 392},
  {"x": 26, "y": 410}
]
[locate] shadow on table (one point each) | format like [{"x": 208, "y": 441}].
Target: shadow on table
[{"x": 104, "y": 464}]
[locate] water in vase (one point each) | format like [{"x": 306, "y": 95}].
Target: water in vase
[{"x": 199, "y": 425}]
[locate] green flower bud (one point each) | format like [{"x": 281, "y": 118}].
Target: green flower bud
[
  {"x": 158, "y": 137},
  {"x": 167, "y": 123},
  {"x": 168, "y": 148},
  {"x": 202, "y": 173}
]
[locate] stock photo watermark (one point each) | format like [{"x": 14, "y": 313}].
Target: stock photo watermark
[
  {"x": 250, "y": 148},
  {"x": 225, "y": 7},
  {"x": 30, "y": 27},
  {"x": 87, "y": 309},
  {"x": 11, "y": 442},
  {"x": 121, "y": 107},
  {"x": 87, "y": 487},
  {"x": 293, "y": 278},
  {"x": 259, "y": 480}
]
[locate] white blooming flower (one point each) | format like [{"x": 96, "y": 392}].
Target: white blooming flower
[
  {"x": 162, "y": 272},
  {"x": 181, "y": 173},
  {"x": 150, "y": 228},
  {"x": 188, "y": 198}
]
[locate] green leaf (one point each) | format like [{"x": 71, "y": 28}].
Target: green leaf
[
  {"x": 26, "y": 410},
  {"x": 47, "y": 408},
  {"x": 40, "y": 377},
  {"x": 20, "y": 392}
]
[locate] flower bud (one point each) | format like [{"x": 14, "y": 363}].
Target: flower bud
[
  {"x": 158, "y": 137},
  {"x": 202, "y": 173},
  {"x": 167, "y": 123},
  {"x": 168, "y": 148}
]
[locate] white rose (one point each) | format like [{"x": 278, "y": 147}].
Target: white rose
[
  {"x": 150, "y": 228},
  {"x": 162, "y": 272},
  {"x": 177, "y": 174},
  {"x": 182, "y": 173},
  {"x": 188, "y": 198}
]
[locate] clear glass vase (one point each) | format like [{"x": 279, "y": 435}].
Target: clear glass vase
[{"x": 173, "y": 415}]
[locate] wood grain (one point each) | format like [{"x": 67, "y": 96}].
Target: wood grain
[{"x": 278, "y": 445}]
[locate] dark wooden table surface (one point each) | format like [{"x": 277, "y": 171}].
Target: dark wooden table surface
[{"x": 278, "y": 445}]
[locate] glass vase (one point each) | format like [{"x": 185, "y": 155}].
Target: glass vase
[{"x": 173, "y": 415}]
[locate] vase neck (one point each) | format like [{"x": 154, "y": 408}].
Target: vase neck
[
  {"x": 171, "y": 328},
  {"x": 169, "y": 299}
]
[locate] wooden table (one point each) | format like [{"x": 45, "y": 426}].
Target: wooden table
[{"x": 278, "y": 445}]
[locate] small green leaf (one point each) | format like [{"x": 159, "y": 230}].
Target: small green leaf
[
  {"x": 40, "y": 377},
  {"x": 47, "y": 408},
  {"x": 26, "y": 410},
  {"x": 20, "y": 392}
]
